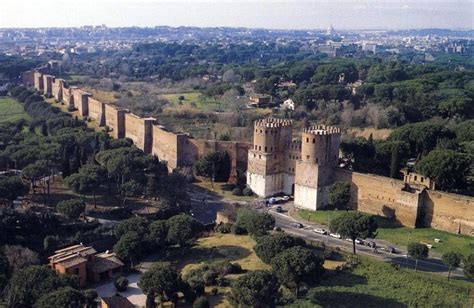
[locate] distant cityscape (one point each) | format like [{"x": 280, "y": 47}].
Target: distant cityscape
[{"x": 31, "y": 42}]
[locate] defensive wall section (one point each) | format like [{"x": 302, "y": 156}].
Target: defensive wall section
[
  {"x": 277, "y": 163},
  {"x": 410, "y": 205},
  {"x": 97, "y": 111},
  {"x": 176, "y": 149},
  {"x": 448, "y": 212},
  {"x": 140, "y": 131}
]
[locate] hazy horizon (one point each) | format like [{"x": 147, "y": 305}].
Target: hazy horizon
[{"x": 268, "y": 14}]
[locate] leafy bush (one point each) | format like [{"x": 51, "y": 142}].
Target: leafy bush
[
  {"x": 225, "y": 228},
  {"x": 201, "y": 302},
  {"x": 121, "y": 284},
  {"x": 238, "y": 229}
]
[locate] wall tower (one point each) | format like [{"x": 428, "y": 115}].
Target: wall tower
[
  {"x": 266, "y": 160},
  {"x": 315, "y": 170}
]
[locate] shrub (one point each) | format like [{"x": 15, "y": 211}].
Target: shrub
[
  {"x": 238, "y": 229},
  {"x": 201, "y": 302},
  {"x": 237, "y": 191},
  {"x": 235, "y": 268},
  {"x": 247, "y": 191},
  {"x": 225, "y": 228},
  {"x": 209, "y": 277},
  {"x": 121, "y": 284}
]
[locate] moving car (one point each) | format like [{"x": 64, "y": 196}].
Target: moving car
[
  {"x": 335, "y": 235},
  {"x": 279, "y": 209}
]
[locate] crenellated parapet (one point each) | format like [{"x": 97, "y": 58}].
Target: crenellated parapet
[{"x": 322, "y": 130}]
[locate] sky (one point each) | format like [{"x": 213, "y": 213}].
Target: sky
[{"x": 296, "y": 14}]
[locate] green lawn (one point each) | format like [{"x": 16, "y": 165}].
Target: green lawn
[
  {"x": 11, "y": 110},
  {"x": 191, "y": 97},
  {"x": 400, "y": 235},
  {"x": 377, "y": 284}
]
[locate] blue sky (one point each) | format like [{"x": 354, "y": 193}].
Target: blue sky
[{"x": 316, "y": 14}]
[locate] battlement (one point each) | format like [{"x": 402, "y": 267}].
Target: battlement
[
  {"x": 322, "y": 130},
  {"x": 273, "y": 122}
]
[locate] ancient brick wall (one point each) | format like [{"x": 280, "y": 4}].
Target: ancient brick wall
[
  {"x": 97, "y": 111},
  {"x": 67, "y": 96},
  {"x": 81, "y": 101},
  {"x": 115, "y": 120},
  {"x": 165, "y": 146},
  {"x": 381, "y": 196},
  {"x": 38, "y": 81},
  {"x": 448, "y": 212},
  {"x": 58, "y": 85},
  {"x": 140, "y": 131},
  {"x": 48, "y": 84},
  {"x": 28, "y": 78}
]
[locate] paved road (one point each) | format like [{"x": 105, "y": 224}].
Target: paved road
[{"x": 431, "y": 265}]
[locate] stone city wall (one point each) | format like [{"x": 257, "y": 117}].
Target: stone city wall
[
  {"x": 81, "y": 101},
  {"x": 97, "y": 111},
  {"x": 58, "y": 89},
  {"x": 381, "y": 196},
  {"x": 48, "y": 84},
  {"x": 166, "y": 146},
  {"x": 115, "y": 120},
  {"x": 448, "y": 212},
  {"x": 140, "y": 131}
]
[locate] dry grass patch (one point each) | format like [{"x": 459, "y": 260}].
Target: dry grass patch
[{"x": 382, "y": 133}]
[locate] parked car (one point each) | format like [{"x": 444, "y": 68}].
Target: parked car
[
  {"x": 335, "y": 235},
  {"x": 279, "y": 209},
  {"x": 272, "y": 200},
  {"x": 296, "y": 225},
  {"x": 321, "y": 231},
  {"x": 390, "y": 249},
  {"x": 285, "y": 198},
  {"x": 359, "y": 241},
  {"x": 371, "y": 244}
]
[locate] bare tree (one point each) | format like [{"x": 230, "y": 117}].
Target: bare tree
[{"x": 20, "y": 257}]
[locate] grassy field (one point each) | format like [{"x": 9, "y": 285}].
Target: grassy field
[
  {"x": 400, "y": 235},
  {"x": 378, "y": 284},
  {"x": 370, "y": 284},
  {"x": 191, "y": 97},
  {"x": 218, "y": 190},
  {"x": 11, "y": 110},
  {"x": 107, "y": 97},
  {"x": 234, "y": 248}
]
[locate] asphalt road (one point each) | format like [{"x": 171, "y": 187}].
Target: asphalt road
[{"x": 430, "y": 265}]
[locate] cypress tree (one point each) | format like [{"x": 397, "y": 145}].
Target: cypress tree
[{"x": 65, "y": 163}]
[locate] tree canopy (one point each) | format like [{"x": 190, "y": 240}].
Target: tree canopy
[
  {"x": 297, "y": 265},
  {"x": 255, "y": 289},
  {"x": 353, "y": 225}
]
